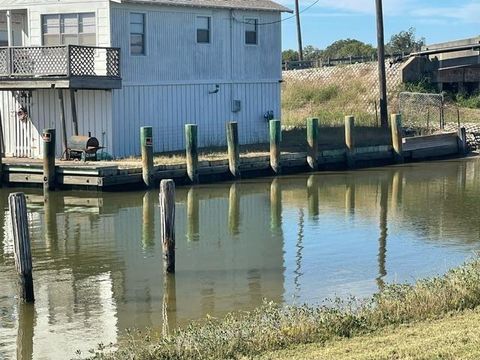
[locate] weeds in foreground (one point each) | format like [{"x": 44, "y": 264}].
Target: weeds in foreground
[{"x": 274, "y": 327}]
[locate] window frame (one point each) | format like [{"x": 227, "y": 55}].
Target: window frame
[
  {"x": 210, "y": 38},
  {"x": 61, "y": 34},
  {"x": 247, "y": 21},
  {"x": 130, "y": 33}
]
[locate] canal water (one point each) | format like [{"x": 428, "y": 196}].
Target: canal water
[{"x": 298, "y": 239}]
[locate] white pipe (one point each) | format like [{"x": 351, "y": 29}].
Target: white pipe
[{"x": 9, "y": 28}]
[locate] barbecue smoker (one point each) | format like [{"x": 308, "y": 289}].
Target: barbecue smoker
[{"x": 83, "y": 147}]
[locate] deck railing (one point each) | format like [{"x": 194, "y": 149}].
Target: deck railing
[{"x": 59, "y": 61}]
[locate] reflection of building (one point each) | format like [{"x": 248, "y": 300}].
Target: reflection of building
[{"x": 100, "y": 271}]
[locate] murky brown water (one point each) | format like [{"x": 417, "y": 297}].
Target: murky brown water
[{"x": 98, "y": 265}]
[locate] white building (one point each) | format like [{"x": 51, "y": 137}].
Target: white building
[{"x": 133, "y": 63}]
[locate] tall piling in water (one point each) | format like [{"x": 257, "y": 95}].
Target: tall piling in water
[
  {"x": 21, "y": 240},
  {"x": 167, "y": 224}
]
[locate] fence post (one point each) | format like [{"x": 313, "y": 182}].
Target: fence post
[
  {"x": 275, "y": 139},
  {"x": 350, "y": 140},
  {"x": 233, "y": 149},
  {"x": 191, "y": 137},
  {"x": 49, "y": 176},
  {"x": 146, "y": 142},
  {"x": 462, "y": 141},
  {"x": 21, "y": 238},
  {"x": 397, "y": 141},
  {"x": 312, "y": 140},
  {"x": 167, "y": 224}
]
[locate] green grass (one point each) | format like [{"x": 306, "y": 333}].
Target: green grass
[
  {"x": 456, "y": 336},
  {"x": 274, "y": 327}
]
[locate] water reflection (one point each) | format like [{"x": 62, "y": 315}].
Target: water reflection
[
  {"x": 25, "y": 332},
  {"x": 382, "y": 241},
  {"x": 98, "y": 259}
]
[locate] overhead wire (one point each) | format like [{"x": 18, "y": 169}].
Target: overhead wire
[{"x": 279, "y": 21}]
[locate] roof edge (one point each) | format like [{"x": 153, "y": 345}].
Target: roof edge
[{"x": 277, "y": 8}]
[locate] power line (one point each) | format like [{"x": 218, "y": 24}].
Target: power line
[{"x": 282, "y": 20}]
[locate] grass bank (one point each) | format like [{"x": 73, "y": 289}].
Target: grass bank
[
  {"x": 273, "y": 327},
  {"x": 456, "y": 336}
]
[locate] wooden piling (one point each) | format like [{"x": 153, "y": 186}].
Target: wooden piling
[
  {"x": 233, "y": 149},
  {"x": 61, "y": 104},
  {"x": 146, "y": 142},
  {"x": 167, "y": 224},
  {"x": 350, "y": 140},
  {"x": 169, "y": 317},
  {"x": 275, "y": 140},
  {"x": 191, "y": 137},
  {"x": 21, "y": 239},
  {"x": 397, "y": 141},
  {"x": 49, "y": 176},
  {"x": 312, "y": 140},
  {"x": 462, "y": 141}
]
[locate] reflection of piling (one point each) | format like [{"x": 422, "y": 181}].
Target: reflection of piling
[
  {"x": 276, "y": 205},
  {"x": 397, "y": 190},
  {"x": 350, "y": 199},
  {"x": 312, "y": 194},
  {"x": 26, "y": 325},
  {"x": 193, "y": 215},
  {"x": 21, "y": 238},
  {"x": 50, "y": 207},
  {"x": 275, "y": 139},
  {"x": 169, "y": 304},
  {"x": 148, "y": 221},
  {"x": 234, "y": 210},
  {"x": 167, "y": 224},
  {"x": 382, "y": 241}
]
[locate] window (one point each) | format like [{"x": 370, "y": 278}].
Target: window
[
  {"x": 203, "y": 29},
  {"x": 251, "y": 31},
  {"x": 137, "y": 34},
  {"x": 69, "y": 29},
  {"x": 3, "y": 38}
]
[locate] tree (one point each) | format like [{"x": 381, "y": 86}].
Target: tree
[
  {"x": 405, "y": 42},
  {"x": 311, "y": 52},
  {"x": 289, "y": 55},
  {"x": 348, "y": 47}
]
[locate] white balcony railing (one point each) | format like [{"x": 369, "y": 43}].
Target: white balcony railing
[{"x": 59, "y": 61}]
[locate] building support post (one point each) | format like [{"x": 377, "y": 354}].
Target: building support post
[
  {"x": 61, "y": 103},
  {"x": 73, "y": 104}
]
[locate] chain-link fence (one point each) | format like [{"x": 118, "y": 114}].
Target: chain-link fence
[
  {"x": 331, "y": 92},
  {"x": 422, "y": 112}
]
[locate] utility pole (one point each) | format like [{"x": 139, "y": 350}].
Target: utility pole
[
  {"x": 381, "y": 65},
  {"x": 299, "y": 31}
]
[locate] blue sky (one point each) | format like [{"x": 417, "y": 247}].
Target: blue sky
[{"x": 331, "y": 20}]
